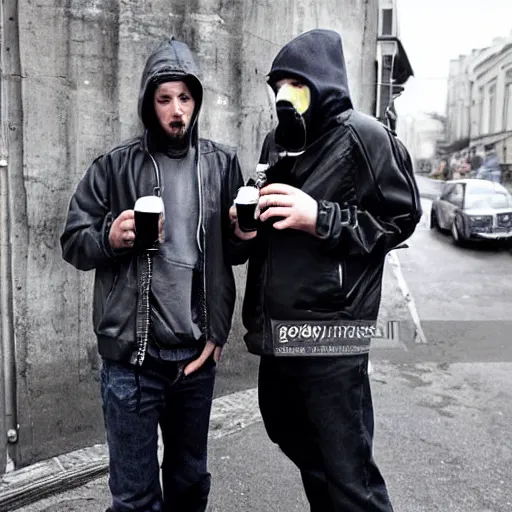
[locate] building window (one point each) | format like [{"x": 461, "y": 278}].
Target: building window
[
  {"x": 481, "y": 111},
  {"x": 385, "y": 86},
  {"x": 507, "y": 111},
  {"x": 387, "y": 22},
  {"x": 492, "y": 109},
  {"x": 508, "y": 108}
]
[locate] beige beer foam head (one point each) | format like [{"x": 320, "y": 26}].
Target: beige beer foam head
[
  {"x": 149, "y": 204},
  {"x": 247, "y": 195}
]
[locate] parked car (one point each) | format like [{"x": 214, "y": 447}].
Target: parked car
[{"x": 473, "y": 209}]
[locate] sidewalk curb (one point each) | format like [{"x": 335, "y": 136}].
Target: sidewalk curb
[
  {"x": 22, "y": 487},
  {"x": 397, "y": 270}
]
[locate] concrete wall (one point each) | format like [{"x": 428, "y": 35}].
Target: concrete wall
[{"x": 73, "y": 76}]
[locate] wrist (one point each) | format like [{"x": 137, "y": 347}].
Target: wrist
[{"x": 312, "y": 226}]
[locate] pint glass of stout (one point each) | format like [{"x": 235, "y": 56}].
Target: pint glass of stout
[
  {"x": 246, "y": 202},
  {"x": 148, "y": 222}
]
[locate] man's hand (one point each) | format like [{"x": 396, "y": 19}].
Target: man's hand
[
  {"x": 209, "y": 348},
  {"x": 122, "y": 231},
  {"x": 299, "y": 210},
  {"x": 238, "y": 232}
]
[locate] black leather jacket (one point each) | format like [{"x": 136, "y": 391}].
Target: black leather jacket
[
  {"x": 366, "y": 207},
  {"x": 111, "y": 185}
]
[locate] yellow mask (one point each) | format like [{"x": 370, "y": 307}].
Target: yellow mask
[{"x": 299, "y": 97}]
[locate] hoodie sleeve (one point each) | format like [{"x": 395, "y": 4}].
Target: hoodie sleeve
[
  {"x": 84, "y": 241},
  {"x": 388, "y": 206}
]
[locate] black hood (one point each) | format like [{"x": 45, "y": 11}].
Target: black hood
[
  {"x": 171, "y": 60},
  {"x": 317, "y": 58}
]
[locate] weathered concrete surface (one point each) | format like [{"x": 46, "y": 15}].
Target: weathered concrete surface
[{"x": 73, "y": 77}]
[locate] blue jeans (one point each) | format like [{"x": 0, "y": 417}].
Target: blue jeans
[
  {"x": 133, "y": 406},
  {"x": 319, "y": 411}
]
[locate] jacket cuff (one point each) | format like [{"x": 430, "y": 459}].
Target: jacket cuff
[
  {"x": 333, "y": 222},
  {"x": 325, "y": 220},
  {"x": 105, "y": 232}
]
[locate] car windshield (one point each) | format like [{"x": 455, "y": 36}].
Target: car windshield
[{"x": 488, "y": 200}]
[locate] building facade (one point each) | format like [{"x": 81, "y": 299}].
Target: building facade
[{"x": 479, "y": 101}]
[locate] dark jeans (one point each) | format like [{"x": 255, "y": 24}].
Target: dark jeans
[
  {"x": 181, "y": 406},
  {"x": 319, "y": 411}
]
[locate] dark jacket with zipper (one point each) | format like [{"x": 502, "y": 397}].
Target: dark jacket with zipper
[
  {"x": 367, "y": 206},
  {"x": 112, "y": 184}
]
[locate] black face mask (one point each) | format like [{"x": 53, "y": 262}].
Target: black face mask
[{"x": 291, "y": 130}]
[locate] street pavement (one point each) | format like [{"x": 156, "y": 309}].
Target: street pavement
[{"x": 443, "y": 408}]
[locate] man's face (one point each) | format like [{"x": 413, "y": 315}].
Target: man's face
[
  {"x": 294, "y": 91},
  {"x": 174, "y": 108},
  {"x": 293, "y": 100}
]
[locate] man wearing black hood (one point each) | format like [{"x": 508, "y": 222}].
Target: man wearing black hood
[
  {"x": 337, "y": 194},
  {"x": 160, "y": 317}
]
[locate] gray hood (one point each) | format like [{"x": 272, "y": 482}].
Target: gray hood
[{"x": 171, "y": 60}]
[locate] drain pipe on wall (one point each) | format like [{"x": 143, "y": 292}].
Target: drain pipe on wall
[
  {"x": 6, "y": 282},
  {"x": 6, "y": 307}
]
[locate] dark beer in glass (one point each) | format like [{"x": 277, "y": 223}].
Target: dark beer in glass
[{"x": 149, "y": 211}]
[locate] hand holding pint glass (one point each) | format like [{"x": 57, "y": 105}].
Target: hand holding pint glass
[
  {"x": 149, "y": 212},
  {"x": 246, "y": 202}
]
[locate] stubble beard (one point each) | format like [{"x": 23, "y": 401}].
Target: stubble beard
[
  {"x": 179, "y": 131},
  {"x": 178, "y": 138}
]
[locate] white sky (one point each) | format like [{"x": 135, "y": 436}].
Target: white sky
[{"x": 435, "y": 31}]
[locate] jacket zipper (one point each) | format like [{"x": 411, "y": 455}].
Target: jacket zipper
[
  {"x": 202, "y": 247},
  {"x": 141, "y": 351},
  {"x": 340, "y": 275}
]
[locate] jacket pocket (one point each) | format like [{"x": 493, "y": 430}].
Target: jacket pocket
[
  {"x": 323, "y": 290},
  {"x": 303, "y": 280},
  {"x": 115, "y": 310}
]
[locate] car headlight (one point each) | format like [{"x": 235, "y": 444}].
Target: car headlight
[{"x": 480, "y": 222}]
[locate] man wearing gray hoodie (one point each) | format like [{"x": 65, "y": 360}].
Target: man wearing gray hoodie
[{"x": 161, "y": 318}]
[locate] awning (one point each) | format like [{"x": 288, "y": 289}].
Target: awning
[
  {"x": 402, "y": 69},
  {"x": 454, "y": 147}
]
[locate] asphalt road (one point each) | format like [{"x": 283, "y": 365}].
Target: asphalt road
[
  {"x": 443, "y": 409},
  {"x": 463, "y": 296}
]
